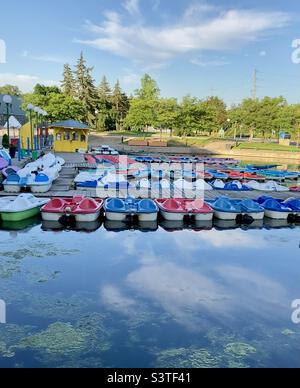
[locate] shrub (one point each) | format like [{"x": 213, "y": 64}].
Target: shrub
[{"x": 5, "y": 141}]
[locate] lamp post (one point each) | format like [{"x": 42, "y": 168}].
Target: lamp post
[
  {"x": 30, "y": 108},
  {"x": 37, "y": 111},
  {"x": 8, "y": 102}
]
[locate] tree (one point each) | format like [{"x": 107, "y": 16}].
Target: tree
[
  {"x": 68, "y": 84},
  {"x": 12, "y": 90},
  {"x": 104, "y": 91},
  {"x": 143, "y": 108},
  {"x": 148, "y": 90},
  {"x": 168, "y": 113},
  {"x": 120, "y": 105},
  {"x": 86, "y": 91},
  {"x": 61, "y": 107},
  {"x": 43, "y": 90},
  {"x": 215, "y": 114},
  {"x": 265, "y": 117},
  {"x": 190, "y": 116},
  {"x": 58, "y": 105},
  {"x": 245, "y": 115},
  {"x": 104, "y": 107}
]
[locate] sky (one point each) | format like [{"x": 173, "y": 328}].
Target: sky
[{"x": 192, "y": 47}]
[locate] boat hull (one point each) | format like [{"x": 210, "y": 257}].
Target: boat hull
[
  {"x": 228, "y": 216},
  {"x": 51, "y": 217},
  {"x": 275, "y": 215},
  {"x": 87, "y": 217},
  {"x": 41, "y": 188},
  {"x": 145, "y": 217},
  {"x": 12, "y": 189},
  {"x": 19, "y": 216},
  {"x": 168, "y": 216}
]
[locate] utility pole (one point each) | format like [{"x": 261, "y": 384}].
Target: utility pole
[{"x": 254, "y": 87}]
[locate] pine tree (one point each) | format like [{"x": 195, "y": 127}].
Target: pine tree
[
  {"x": 86, "y": 91},
  {"x": 104, "y": 91},
  {"x": 105, "y": 119},
  {"x": 120, "y": 105},
  {"x": 68, "y": 83}
]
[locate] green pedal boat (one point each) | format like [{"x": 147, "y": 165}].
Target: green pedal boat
[{"x": 20, "y": 208}]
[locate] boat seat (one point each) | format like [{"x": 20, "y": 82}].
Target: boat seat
[
  {"x": 172, "y": 204},
  {"x": 56, "y": 204},
  {"x": 88, "y": 204},
  {"x": 78, "y": 199},
  {"x": 148, "y": 205},
  {"x": 116, "y": 204},
  {"x": 195, "y": 205},
  {"x": 42, "y": 178},
  {"x": 13, "y": 178}
]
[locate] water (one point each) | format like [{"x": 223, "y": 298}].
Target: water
[{"x": 126, "y": 298}]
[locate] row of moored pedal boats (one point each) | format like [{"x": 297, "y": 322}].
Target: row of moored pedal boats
[
  {"x": 37, "y": 176},
  {"x": 84, "y": 209}
]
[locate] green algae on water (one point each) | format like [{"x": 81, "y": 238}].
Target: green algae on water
[
  {"x": 5, "y": 351},
  {"x": 239, "y": 349},
  {"x": 57, "y": 307},
  {"x": 58, "y": 339},
  {"x": 187, "y": 358},
  {"x": 288, "y": 333},
  {"x": 11, "y": 261}
]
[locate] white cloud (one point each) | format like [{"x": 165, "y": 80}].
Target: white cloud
[
  {"x": 131, "y": 79},
  {"x": 112, "y": 297},
  {"x": 212, "y": 63},
  {"x": 196, "y": 11},
  {"x": 43, "y": 57},
  {"x": 132, "y": 6},
  {"x": 201, "y": 28},
  {"x": 23, "y": 81},
  {"x": 263, "y": 53}
]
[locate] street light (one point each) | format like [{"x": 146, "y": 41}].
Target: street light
[
  {"x": 8, "y": 101},
  {"x": 30, "y": 108}
]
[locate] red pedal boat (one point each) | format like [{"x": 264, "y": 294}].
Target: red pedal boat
[
  {"x": 295, "y": 189},
  {"x": 253, "y": 176},
  {"x": 82, "y": 208},
  {"x": 234, "y": 175},
  {"x": 177, "y": 209}
]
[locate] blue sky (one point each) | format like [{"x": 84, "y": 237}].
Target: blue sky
[{"x": 189, "y": 46}]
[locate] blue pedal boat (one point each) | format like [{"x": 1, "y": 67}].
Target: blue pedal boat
[
  {"x": 294, "y": 204},
  {"x": 274, "y": 208},
  {"x": 229, "y": 209},
  {"x": 235, "y": 186},
  {"x": 217, "y": 175},
  {"x": 12, "y": 184},
  {"x": 117, "y": 209}
]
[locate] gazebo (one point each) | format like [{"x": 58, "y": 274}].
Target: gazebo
[{"x": 70, "y": 136}]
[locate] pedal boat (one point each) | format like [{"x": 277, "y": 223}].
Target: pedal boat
[
  {"x": 177, "y": 209},
  {"x": 230, "y": 209},
  {"x": 82, "y": 208},
  {"x": 117, "y": 209},
  {"x": 20, "y": 208}
]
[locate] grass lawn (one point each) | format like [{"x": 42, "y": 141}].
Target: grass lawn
[
  {"x": 189, "y": 142},
  {"x": 267, "y": 147},
  {"x": 128, "y": 133}
]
